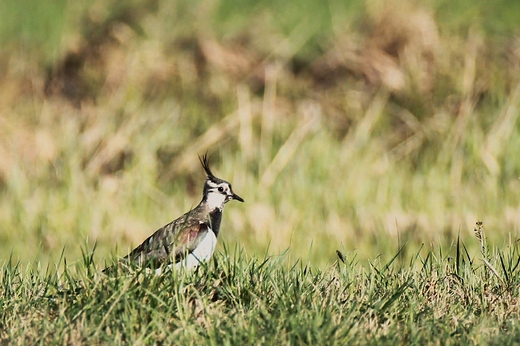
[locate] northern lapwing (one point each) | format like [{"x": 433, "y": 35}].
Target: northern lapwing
[{"x": 190, "y": 239}]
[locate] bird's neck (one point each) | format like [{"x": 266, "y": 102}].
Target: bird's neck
[
  {"x": 214, "y": 214},
  {"x": 215, "y": 217}
]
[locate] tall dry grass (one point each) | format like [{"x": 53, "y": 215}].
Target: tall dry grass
[{"x": 355, "y": 128}]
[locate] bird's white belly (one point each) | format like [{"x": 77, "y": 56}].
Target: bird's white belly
[{"x": 202, "y": 253}]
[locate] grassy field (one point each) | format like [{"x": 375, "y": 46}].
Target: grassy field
[
  {"x": 239, "y": 299},
  {"x": 374, "y": 128}
]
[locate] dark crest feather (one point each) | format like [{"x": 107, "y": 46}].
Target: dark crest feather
[{"x": 204, "y": 161}]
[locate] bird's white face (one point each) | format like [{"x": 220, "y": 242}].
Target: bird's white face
[{"x": 219, "y": 194}]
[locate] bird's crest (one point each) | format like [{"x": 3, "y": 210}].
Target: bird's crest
[{"x": 204, "y": 160}]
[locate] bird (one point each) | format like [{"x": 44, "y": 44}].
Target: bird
[{"x": 189, "y": 240}]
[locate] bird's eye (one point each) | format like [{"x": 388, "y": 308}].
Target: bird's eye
[{"x": 220, "y": 189}]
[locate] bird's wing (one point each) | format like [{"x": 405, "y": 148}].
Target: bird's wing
[
  {"x": 169, "y": 243},
  {"x": 188, "y": 240}
]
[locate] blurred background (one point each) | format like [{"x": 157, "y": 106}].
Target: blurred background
[{"x": 355, "y": 125}]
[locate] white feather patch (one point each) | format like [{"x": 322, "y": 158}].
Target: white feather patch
[
  {"x": 202, "y": 253},
  {"x": 215, "y": 200}
]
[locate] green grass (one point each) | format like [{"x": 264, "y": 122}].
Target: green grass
[{"x": 439, "y": 298}]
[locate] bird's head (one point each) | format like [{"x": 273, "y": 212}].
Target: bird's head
[{"x": 217, "y": 192}]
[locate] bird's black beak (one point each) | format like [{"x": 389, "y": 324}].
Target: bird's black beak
[{"x": 237, "y": 197}]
